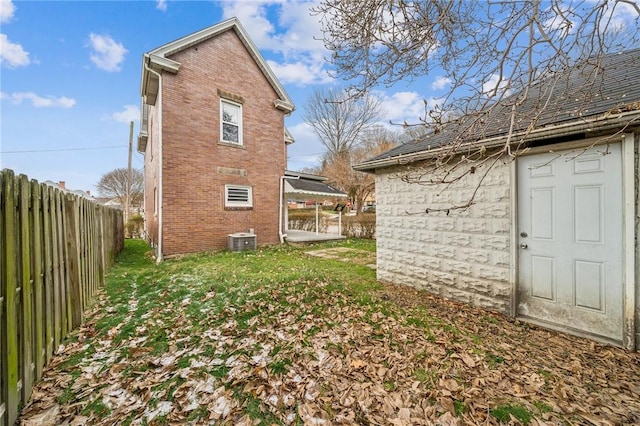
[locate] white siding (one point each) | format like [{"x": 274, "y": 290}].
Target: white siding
[{"x": 464, "y": 255}]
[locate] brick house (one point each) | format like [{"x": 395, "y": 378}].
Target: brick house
[
  {"x": 552, "y": 234},
  {"x": 214, "y": 141}
]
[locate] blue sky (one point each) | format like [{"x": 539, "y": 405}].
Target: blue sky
[{"x": 70, "y": 77}]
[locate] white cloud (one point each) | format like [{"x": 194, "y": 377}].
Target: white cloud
[
  {"x": 560, "y": 21},
  {"x": 7, "y": 10},
  {"x": 297, "y": 31},
  {"x": 107, "y": 54},
  {"x": 293, "y": 34},
  {"x": 161, "y": 5},
  {"x": 300, "y": 73},
  {"x": 303, "y": 29},
  {"x": 39, "y": 101},
  {"x": 495, "y": 87},
  {"x": 402, "y": 106},
  {"x": 129, "y": 113},
  {"x": 253, "y": 16},
  {"x": 12, "y": 55},
  {"x": 619, "y": 16},
  {"x": 307, "y": 151},
  {"x": 440, "y": 83}
]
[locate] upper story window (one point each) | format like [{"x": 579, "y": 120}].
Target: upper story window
[{"x": 230, "y": 122}]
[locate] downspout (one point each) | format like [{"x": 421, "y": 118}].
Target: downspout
[
  {"x": 159, "y": 256},
  {"x": 280, "y": 211}
]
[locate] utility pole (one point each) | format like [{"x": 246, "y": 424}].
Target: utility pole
[{"x": 127, "y": 207}]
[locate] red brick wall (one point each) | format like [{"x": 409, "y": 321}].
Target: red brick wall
[{"x": 194, "y": 216}]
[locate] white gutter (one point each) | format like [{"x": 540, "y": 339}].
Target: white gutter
[
  {"x": 159, "y": 256},
  {"x": 589, "y": 125}
]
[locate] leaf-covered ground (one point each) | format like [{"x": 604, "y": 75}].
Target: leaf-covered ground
[{"x": 277, "y": 336}]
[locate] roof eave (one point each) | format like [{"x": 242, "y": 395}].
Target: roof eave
[
  {"x": 159, "y": 58},
  {"x": 150, "y": 83},
  {"x": 142, "y": 142},
  {"x": 596, "y": 124}
]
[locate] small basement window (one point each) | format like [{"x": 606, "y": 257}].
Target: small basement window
[{"x": 238, "y": 196}]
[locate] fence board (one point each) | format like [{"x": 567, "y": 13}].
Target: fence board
[
  {"x": 26, "y": 300},
  {"x": 47, "y": 231},
  {"x": 64, "y": 273},
  {"x": 73, "y": 260},
  {"x": 3, "y": 331},
  {"x": 57, "y": 274},
  {"x": 10, "y": 279},
  {"x": 38, "y": 278}
]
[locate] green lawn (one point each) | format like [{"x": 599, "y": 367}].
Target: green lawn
[{"x": 276, "y": 336}]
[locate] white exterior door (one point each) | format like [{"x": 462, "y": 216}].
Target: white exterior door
[{"x": 570, "y": 240}]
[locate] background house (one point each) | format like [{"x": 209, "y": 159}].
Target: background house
[
  {"x": 552, "y": 235},
  {"x": 214, "y": 141}
]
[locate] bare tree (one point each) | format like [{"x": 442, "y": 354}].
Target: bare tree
[
  {"x": 338, "y": 167},
  {"x": 339, "y": 119},
  {"x": 499, "y": 64},
  {"x": 114, "y": 184}
]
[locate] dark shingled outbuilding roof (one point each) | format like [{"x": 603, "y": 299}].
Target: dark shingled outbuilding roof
[
  {"x": 313, "y": 187},
  {"x": 307, "y": 185},
  {"x": 584, "y": 92}
]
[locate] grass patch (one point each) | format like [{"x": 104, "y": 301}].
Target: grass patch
[
  {"x": 96, "y": 408},
  {"x": 279, "y": 367},
  {"x": 503, "y": 413},
  {"x": 460, "y": 408},
  {"x": 494, "y": 360},
  {"x": 542, "y": 407},
  {"x": 276, "y": 336}
]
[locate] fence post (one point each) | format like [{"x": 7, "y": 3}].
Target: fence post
[{"x": 9, "y": 334}]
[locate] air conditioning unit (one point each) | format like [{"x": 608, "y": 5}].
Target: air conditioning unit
[{"x": 242, "y": 241}]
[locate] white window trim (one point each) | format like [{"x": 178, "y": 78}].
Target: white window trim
[
  {"x": 239, "y": 142},
  {"x": 230, "y": 203}
]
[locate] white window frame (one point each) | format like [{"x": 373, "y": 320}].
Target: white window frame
[
  {"x": 222, "y": 122},
  {"x": 235, "y": 203}
]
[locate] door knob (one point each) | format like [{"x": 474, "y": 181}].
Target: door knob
[{"x": 523, "y": 245}]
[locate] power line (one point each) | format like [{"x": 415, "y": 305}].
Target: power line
[{"x": 63, "y": 149}]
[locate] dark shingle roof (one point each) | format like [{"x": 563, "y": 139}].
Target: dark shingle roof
[
  {"x": 311, "y": 187},
  {"x": 584, "y": 91}
]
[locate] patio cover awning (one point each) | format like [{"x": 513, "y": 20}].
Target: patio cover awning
[{"x": 309, "y": 187}]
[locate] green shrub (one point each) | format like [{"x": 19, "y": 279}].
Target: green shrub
[
  {"x": 134, "y": 226},
  {"x": 305, "y": 220},
  {"x": 360, "y": 226}
]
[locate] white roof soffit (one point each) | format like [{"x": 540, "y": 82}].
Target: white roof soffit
[{"x": 158, "y": 57}]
